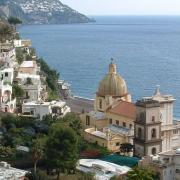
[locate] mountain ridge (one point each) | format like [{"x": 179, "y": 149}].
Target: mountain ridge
[{"x": 41, "y": 12}]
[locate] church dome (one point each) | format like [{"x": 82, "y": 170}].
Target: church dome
[{"x": 112, "y": 84}]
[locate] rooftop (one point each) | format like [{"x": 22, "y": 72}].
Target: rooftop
[
  {"x": 25, "y": 76},
  {"x": 7, "y": 172},
  {"x": 7, "y": 70},
  {"x": 124, "y": 108},
  {"x": 42, "y": 103},
  {"x": 27, "y": 64},
  {"x": 119, "y": 129},
  {"x": 103, "y": 170},
  {"x": 99, "y": 134},
  {"x": 97, "y": 115},
  {"x": 171, "y": 152}
]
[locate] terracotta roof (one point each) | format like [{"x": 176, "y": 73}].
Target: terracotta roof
[{"x": 124, "y": 108}]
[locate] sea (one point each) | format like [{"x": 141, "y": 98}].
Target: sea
[{"x": 146, "y": 50}]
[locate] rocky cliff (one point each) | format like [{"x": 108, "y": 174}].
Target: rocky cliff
[{"x": 41, "y": 12}]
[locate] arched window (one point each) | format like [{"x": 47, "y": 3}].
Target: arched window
[
  {"x": 100, "y": 103},
  {"x": 153, "y": 150},
  {"x": 139, "y": 133},
  {"x": 142, "y": 116},
  {"x": 153, "y": 133}
]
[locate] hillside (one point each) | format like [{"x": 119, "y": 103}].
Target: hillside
[{"x": 41, "y": 12}]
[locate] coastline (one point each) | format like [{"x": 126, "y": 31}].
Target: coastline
[{"x": 80, "y": 104}]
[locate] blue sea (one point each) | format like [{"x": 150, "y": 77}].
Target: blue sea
[{"x": 145, "y": 48}]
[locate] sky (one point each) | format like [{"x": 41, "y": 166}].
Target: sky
[{"x": 125, "y": 7}]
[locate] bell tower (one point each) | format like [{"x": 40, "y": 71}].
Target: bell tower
[{"x": 147, "y": 135}]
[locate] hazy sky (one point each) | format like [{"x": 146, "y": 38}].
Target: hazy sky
[{"x": 125, "y": 7}]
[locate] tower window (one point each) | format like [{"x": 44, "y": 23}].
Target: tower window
[
  {"x": 153, "y": 133},
  {"x": 117, "y": 122},
  {"x": 124, "y": 124},
  {"x": 153, "y": 150},
  {"x": 142, "y": 116},
  {"x": 130, "y": 126},
  {"x": 87, "y": 120},
  {"x": 139, "y": 132},
  {"x": 153, "y": 118},
  {"x": 100, "y": 103},
  {"x": 110, "y": 121}
]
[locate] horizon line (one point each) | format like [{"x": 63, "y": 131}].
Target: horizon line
[{"x": 133, "y": 15}]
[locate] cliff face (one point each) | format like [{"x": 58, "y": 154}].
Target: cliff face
[{"x": 41, "y": 12}]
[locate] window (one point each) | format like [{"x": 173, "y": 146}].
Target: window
[
  {"x": 153, "y": 118},
  {"x": 110, "y": 121},
  {"x": 175, "y": 131},
  {"x": 124, "y": 124},
  {"x": 27, "y": 95},
  {"x": 130, "y": 126},
  {"x": 87, "y": 120},
  {"x": 153, "y": 133},
  {"x": 100, "y": 103},
  {"x": 6, "y": 74},
  {"x": 153, "y": 150},
  {"x": 164, "y": 172},
  {"x": 142, "y": 116},
  {"x": 177, "y": 171},
  {"x": 162, "y": 134},
  {"x": 117, "y": 122},
  {"x": 117, "y": 144},
  {"x": 139, "y": 132}
]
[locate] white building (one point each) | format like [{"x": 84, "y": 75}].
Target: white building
[
  {"x": 31, "y": 84},
  {"x": 39, "y": 109},
  {"x": 7, "y": 55},
  {"x": 166, "y": 164},
  {"x": 23, "y": 43},
  {"x": 7, "y": 75},
  {"x": 7, "y": 104},
  {"x": 29, "y": 67},
  {"x": 9, "y": 173},
  {"x": 103, "y": 170}
]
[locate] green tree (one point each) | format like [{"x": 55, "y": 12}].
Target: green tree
[
  {"x": 39, "y": 175},
  {"x": 126, "y": 148},
  {"x": 141, "y": 173},
  {"x": 17, "y": 91},
  {"x": 52, "y": 77},
  {"x": 6, "y": 31},
  {"x": 61, "y": 149},
  {"x": 20, "y": 55},
  {"x": 29, "y": 81},
  {"x": 14, "y": 21},
  {"x": 75, "y": 122}
]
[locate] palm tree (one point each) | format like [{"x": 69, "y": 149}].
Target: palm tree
[
  {"x": 37, "y": 151},
  {"x": 141, "y": 173}
]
